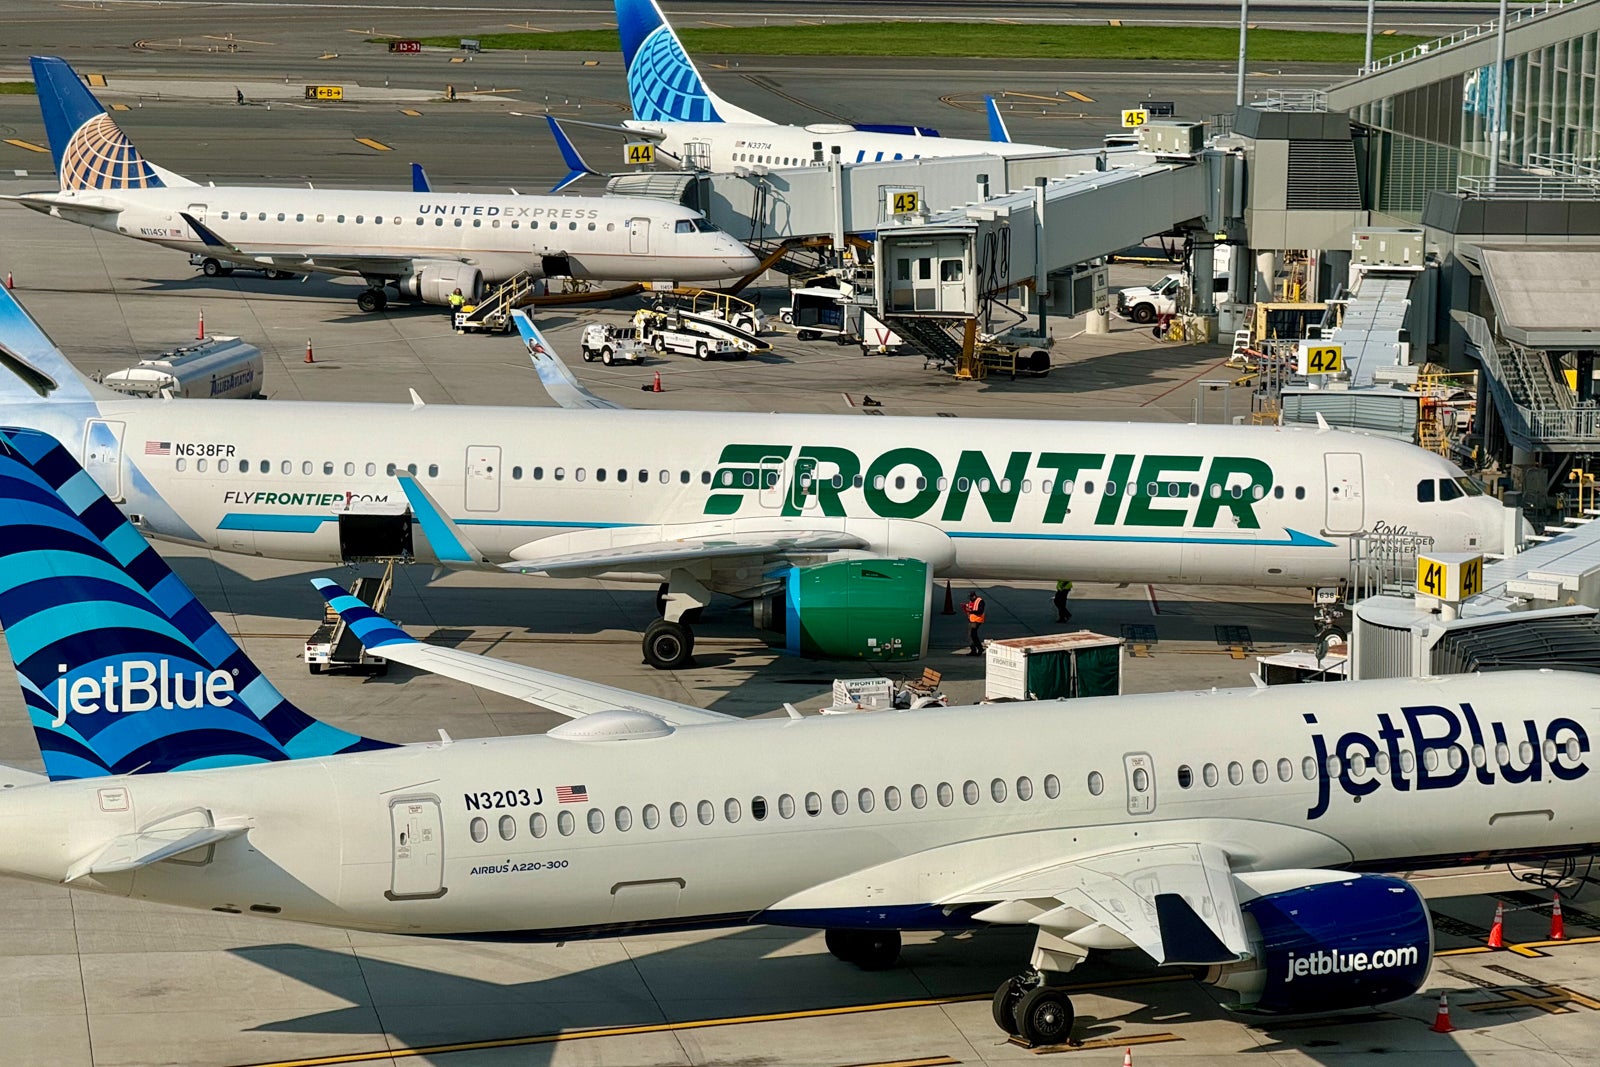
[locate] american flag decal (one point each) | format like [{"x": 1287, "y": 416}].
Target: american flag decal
[
  {"x": 572, "y": 794},
  {"x": 158, "y": 448}
]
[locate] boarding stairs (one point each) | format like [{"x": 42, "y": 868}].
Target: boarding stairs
[
  {"x": 493, "y": 312},
  {"x": 931, "y": 336}
]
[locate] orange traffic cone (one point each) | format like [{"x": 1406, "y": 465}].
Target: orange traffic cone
[
  {"x": 309, "y": 357},
  {"x": 949, "y": 600},
  {"x": 1558, "y": 926},
  {"x": 1127, "y": 1058},
  {"x": 1441, "y": 1020},
  {"x": 655, "y": 384},
  {"x": 9, "y": 283},
  {"x": 200, "y": 330},
  {"x": 1497, "y": 937}
]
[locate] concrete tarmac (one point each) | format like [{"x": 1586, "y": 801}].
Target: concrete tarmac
[{"x": 92, "y": 980}]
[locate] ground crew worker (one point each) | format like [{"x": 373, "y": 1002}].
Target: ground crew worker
[
  {"x": 976, "y": 611},
  {"x": 456, "y": 303},
  {"x": 238, "y": 94},
  {"x": 1063, "y": 590}
]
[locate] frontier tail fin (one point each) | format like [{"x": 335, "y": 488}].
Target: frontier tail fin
[
  {"x": 122, "y": 670},
  {"x": 32, "y": 368},
  {"x": 663, "y": 83},
  {"x": 89, "y": 148}
]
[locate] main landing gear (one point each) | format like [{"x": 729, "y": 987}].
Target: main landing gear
[
  {"x": 669, "y": 641},
  {"x": 1028, "y": 1007},
  {"x": 374, "y": 299},
  {"x": 871, "y": 950}
]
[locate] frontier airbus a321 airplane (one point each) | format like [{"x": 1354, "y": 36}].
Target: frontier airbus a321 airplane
[
  {"x": 1243, "y": 833},
  {"x": 834, "y": 527}
]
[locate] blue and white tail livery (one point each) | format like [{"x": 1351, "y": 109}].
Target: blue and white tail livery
[
  {"x": 663, "y": 82},
  {"x": 122, "y": 670},
  {"x": 89, "y": 148}
]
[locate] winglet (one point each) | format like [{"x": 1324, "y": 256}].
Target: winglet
[
  {"x": 371, "y": 629},
  {"x": 419, "y": 179},
  {"x": 554, "y": 375},
  {"x": 576, "y": 167},
  {"x": 208, "y": 236},
  {"x": 997, "y": 125},
  {"x": 452, "y": 547}
]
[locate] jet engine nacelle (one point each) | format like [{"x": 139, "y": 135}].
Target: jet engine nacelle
[
  {"x": 432, "y": 283},
  {"x": 851, "y": 609},
  {"x": 1346, "y": 942}
]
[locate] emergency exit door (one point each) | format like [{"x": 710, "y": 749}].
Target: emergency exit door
[
  {"x": 1346, "y": 506},
  {"x": 417, "y": 838},
  {"x": 483, "y": 477},
  {"x": 102, "y": 455},
  {"x": 1140, "y": 771}
]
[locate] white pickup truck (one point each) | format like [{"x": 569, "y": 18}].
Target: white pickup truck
[
  {"x": 1146, "y": 303},
  {"x": 609, "y": 343}
]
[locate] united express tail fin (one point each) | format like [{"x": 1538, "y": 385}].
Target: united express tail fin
[
  {"x": 90, "y": 149},
  {"x": 663, "y": 83},
  {"x": 122, "y": 670}
]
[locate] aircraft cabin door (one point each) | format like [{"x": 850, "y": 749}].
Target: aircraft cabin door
[
  {"x": 483, "y": 477},
  {"x": 1346, "y": 506},
  {"x": 417, "y": 836},
  {"x": 198, "y": 212},
  {"x": 102, "y": 455},
  {"x": 639, "y": 236},
  {"x": 1141, "y": 774}
]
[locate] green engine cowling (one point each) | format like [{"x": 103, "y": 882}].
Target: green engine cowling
[{"x": 875, "y": 609}]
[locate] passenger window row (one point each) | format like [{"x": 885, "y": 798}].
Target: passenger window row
[
  {"x": 379, "y": 220},
  {"x": 787, "y": 807},
  {"x": 1455, "y": 757}
]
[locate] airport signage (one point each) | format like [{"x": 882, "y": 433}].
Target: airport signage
[
  {"x": 408, "y": 48},
  {"x": 1450, "y": 576},
  {"x": 324, "y": 92},
  {"x": 1162, "y": 109},
  {"x": 903, "y": 201},
  {"x": 639, "y": 153},
  {"x": 1134, "y": 117},
  {"x": 1320, "y": 359}
]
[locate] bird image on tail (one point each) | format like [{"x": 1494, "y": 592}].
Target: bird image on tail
[
  {"x": 122, "y": 670},
  {"x": 89, "y": 148},
  {"x": 663, "y": 83}
]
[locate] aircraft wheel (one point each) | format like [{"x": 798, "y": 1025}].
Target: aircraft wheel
[
  {"x": 211, "y": 268},
  {"x": 607, "y": 356},
  {"x": 668, "y": 646},
  {"x": 371, "y": 300},
  {"x": 1044, "y": 1016},
  {"x": 841, "y": 944},
  {"x": 1005, "y": 1003},
  {"x": 275, "y": 275},
  {"x": 877, "y": 950}
]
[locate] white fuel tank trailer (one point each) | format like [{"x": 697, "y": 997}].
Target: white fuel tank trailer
[{"x": 216, "y": 368}]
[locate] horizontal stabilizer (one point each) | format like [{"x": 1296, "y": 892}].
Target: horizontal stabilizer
[
  {"x": 209, "y": 237},
  {"x": 573, "y": 697},
  {"x": 133, "y": 851}
]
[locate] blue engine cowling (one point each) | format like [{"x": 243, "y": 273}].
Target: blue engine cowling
[{"x": 1347, "y": 943}]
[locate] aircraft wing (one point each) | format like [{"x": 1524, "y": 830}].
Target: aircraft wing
[
  {"x": 557, "y": 379},
  {"x": 650, "y": 554},
  {"x": 573, "y": 697},
  {"x": 1176, "y": 902}
]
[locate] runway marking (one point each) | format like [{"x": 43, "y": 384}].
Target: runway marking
[
  {"x": 120, "y": 107},
  {"x": 376, "y": 146},
  {"x": 1008, "y": 93},
  {"x": 1080, "y": 97},
  {"x": 329, "y": 55},
  {"x": 96, "y": 81},
  {"x": 29, "y": 145},
  {"x": 926, "y": 1061},
  {"x": 458, "y": 59},
  {"x": 719, "y": 25},
  {"x": 693, "y": 1024},
  {"x": 1550, "y": 999},
  {"x": 528, "y": 28},
  {"x": 1113, "y": 22},
  {"x": 411, "y": 112},
  {"x": 230, "y": 39}
]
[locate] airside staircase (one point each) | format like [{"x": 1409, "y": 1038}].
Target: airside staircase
[
  {"x": 930, "y": 336},
  {"x": 493, "y": 312}
]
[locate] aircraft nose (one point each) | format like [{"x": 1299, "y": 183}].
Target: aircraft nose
[{"x": 740, "y": 259}]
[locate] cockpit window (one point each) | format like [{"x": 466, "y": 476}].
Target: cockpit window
[
  {"x": 684, "y": 226},
  {"x": 704, "y": 226},
  {"x": 1425, "y": 491},
  {"x": 1449, "y": 490},
  {"x": 694, "y": 225},
  {"x": 1470, "y": 486}
]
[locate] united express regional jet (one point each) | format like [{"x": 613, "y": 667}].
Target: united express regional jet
[
  {"x": 423, "y": 245},
  {"x": 1243, "y": 832},
  {"x": 833, "y": 527},
  {"x": 695, "y": 128}
]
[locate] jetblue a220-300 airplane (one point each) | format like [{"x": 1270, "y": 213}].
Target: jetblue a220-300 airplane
[
  {"x": 1231, "y": 831},
  {"x": 695, "y": 128},
  {"x": 834, "y": 527},
  {"x": 422, "y": 244}
]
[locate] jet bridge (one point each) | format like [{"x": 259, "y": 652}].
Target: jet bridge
[{"x": 949, "y": 263}]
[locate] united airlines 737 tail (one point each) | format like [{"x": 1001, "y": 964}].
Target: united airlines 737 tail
[{"x": 663, "y": 83}]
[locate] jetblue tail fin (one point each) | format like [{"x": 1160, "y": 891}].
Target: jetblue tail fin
[
  {"x": 663, "y": 83},
  {"x": 122, "y": 670},
  {"x": 32, "y": 368},
  {"x": 576, "y": 167},
  {"x": 89, "y": 148},
  {"x": 997, "y": 125}
]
